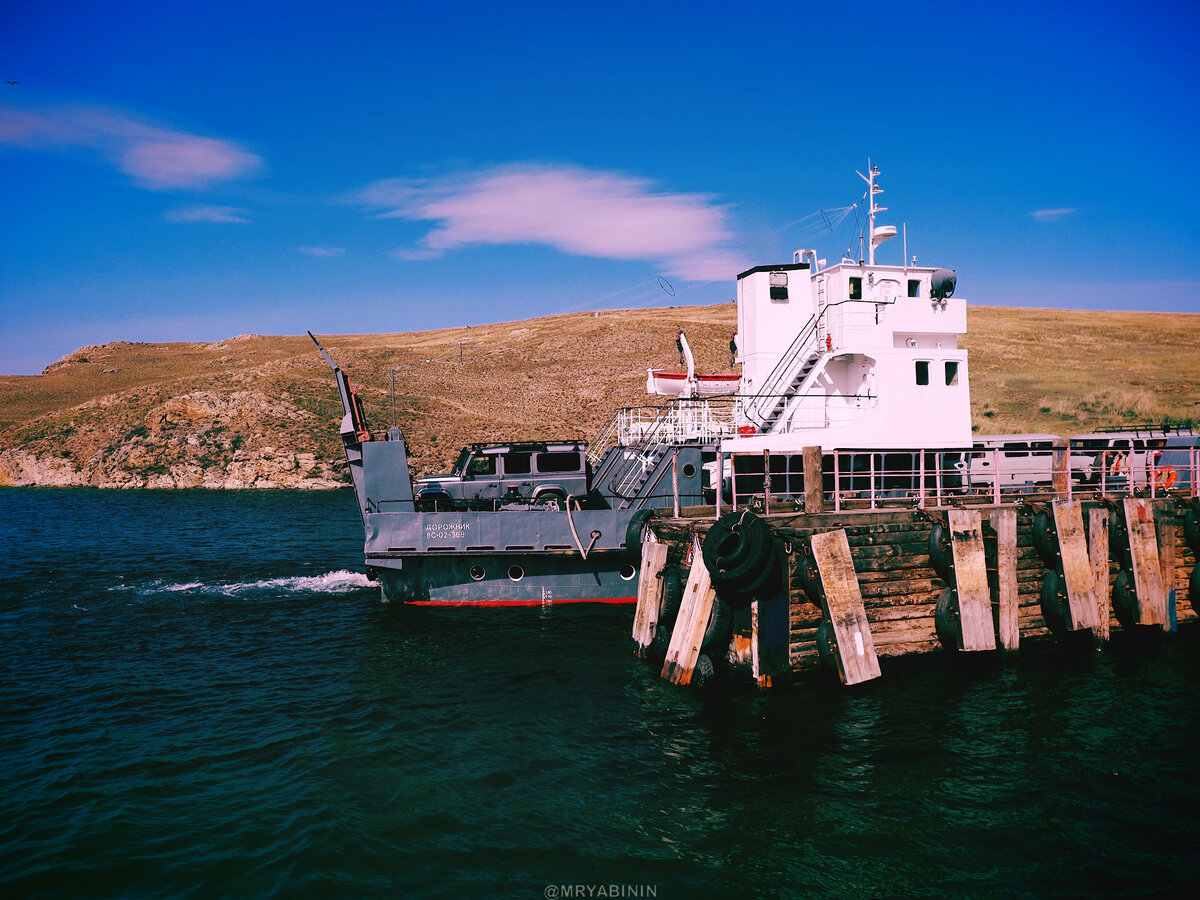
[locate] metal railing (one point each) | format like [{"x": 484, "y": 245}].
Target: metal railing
[
  {"x": 865, "y": 479},
  {"x": 681, "y": 421}
]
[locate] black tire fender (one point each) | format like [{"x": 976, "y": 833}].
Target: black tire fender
[
  {"x": 660, "y": 643},
  {"x": 1045, "y": 540},
  {"x": 1194, "y": 588},
  {"x": 736, "y": 544},
  {"x": 719, "y": 630},
  {"x": 941, "y": 554},
  {"x": 1124, "y": 599},
  {"x": 809, "y": 576},
  {"x": 1191, "y": 528},
  {"x": 946, "y": 619},
  {"x": 826, "y": 647},
  {"x": 673, "y": 581},
  {"x": 1055, "y": 603},
  {"x": 633, "y": 531}
]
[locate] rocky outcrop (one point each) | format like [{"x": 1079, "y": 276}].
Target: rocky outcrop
[{"x": 203, "y": 439}]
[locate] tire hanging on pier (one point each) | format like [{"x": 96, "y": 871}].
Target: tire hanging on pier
[
  {"x": 809, "y": 576},
  {"x": 1124, "y": 599},
  {"x": 826, "y": 648},
  {"x": 941, "y": 554},
  {"x": 633, "y": 531},
  {"x": 739, "y": 552},
  {"x": 1045, "y": 540},
  {"x": 674, "y": 578},
  {"x": 1191, "y": 528},
  {"x": 719, "y": 630},
  {"x": 1055, "y": 602},
  {"x": 947, "y": 621}
]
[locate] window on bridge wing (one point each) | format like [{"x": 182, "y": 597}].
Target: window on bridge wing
[{"x": 922, "y": 371}]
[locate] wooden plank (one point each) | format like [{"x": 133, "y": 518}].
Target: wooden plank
[
  {"x": 690, "y": 624},
  {"x": 857, "y": 661},
  {"x": 650, "y": 593},
  {"x": 814, "y": 492},
  {"x": 769, "y": 633},
  {"x": 1166, "y": 562},
  {"x": 1098, "y": 553},
  {"x": 1147, "y": 576},
  {"x": 970, "y": 573},
  {"x": 1004, "y": 522},
  {"x": 1077, "y": 565}
]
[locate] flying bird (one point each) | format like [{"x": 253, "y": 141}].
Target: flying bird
[{"x": 12, "y": 82}]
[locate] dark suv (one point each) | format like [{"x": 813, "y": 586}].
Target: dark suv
[{"x": 487, "y": 475}]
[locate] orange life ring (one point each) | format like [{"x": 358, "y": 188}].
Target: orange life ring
[{"x": 1164, "y": 477}]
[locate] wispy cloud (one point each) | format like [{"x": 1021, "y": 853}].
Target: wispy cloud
[
  {"x": 322, "y": 251},
  {"x": 1053, "y": 215},
  {"x": 156, "y": 157},
  {"x": 591, "y": 213},
  {"x": 220, "y": 214}
]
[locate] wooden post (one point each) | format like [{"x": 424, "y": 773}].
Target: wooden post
[
  {"x": 1147, "y": 574},
  {"x": 1166, "y": 562},
  {"x": 1098, "y": 552},
  {"x": 690, "y": 624},
  {"x": 650, "y": 593},
  {"x": 1004, "y": 521},
  {"x": 1062, "y": 468},
  {"x": 769, "y": 630},
  {"x": 851, "y": 631},
  {"x": 970, "y": 574},
  {"x": 1082, "y": 608},
  {"x": 814, "y": 492}
]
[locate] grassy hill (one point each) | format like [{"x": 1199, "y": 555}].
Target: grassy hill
[{"x": 152, "y": 410}]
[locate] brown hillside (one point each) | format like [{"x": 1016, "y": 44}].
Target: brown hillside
[{"x": 238, "y": 411}]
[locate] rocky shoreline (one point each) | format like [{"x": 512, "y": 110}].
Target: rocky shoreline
[{"x": 203, "y": 439}]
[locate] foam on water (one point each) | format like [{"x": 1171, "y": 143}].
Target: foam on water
[{"x": 341, "y": 581}]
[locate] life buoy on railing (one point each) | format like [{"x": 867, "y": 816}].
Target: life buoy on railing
[{"x": 1164, "y": 477}]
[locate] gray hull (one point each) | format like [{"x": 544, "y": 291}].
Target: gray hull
[{"x": 512, "y": 579}]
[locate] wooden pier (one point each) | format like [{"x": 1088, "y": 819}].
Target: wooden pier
[{"x": 978, "y": 577}]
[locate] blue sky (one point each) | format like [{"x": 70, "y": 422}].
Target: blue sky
[{"x": 196, "y": 171}]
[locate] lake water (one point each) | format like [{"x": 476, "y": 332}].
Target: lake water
[{"x": 201, "y": 695}]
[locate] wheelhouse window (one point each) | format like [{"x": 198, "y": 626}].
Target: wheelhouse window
[
  {"x": 779, "y": 292},
  {"x": 914, "y": 287},
  {"x": 922, "y": 371},
  {"x": 951, "y": 372},
  {"x": 856, "y": 288}
]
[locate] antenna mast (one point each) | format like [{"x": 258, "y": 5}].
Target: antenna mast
[{"x": 872, "y": 190}]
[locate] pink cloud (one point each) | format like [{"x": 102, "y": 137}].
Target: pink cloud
[
  {"x": 219, "y": 214},
  {"x": 1053, "y": 215},
  {"x": 156, "y": 157},
  {"x": 322, "y": 251},
  {"x": 589, "y": 213}
]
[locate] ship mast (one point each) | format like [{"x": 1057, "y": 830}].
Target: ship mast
[{"x": 872, "y": 190}]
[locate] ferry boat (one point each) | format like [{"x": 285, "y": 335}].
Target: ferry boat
[{"x": 859, "y": 358}]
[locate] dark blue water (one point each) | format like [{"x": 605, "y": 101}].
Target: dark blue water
[{"x": 200, "y": 696}]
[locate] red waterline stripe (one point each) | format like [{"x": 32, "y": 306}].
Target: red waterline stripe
[{"x": 553, "y": 602}]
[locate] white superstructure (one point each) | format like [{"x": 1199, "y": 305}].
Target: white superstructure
[{"x": 853, "y": 355}]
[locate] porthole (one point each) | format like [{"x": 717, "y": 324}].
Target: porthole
[
  {"x": 628, "y": 572},
  {"x": 515, "y": 573},
  {"x": 689, "y": 471},
  {"x": 477, "y": 572}
]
